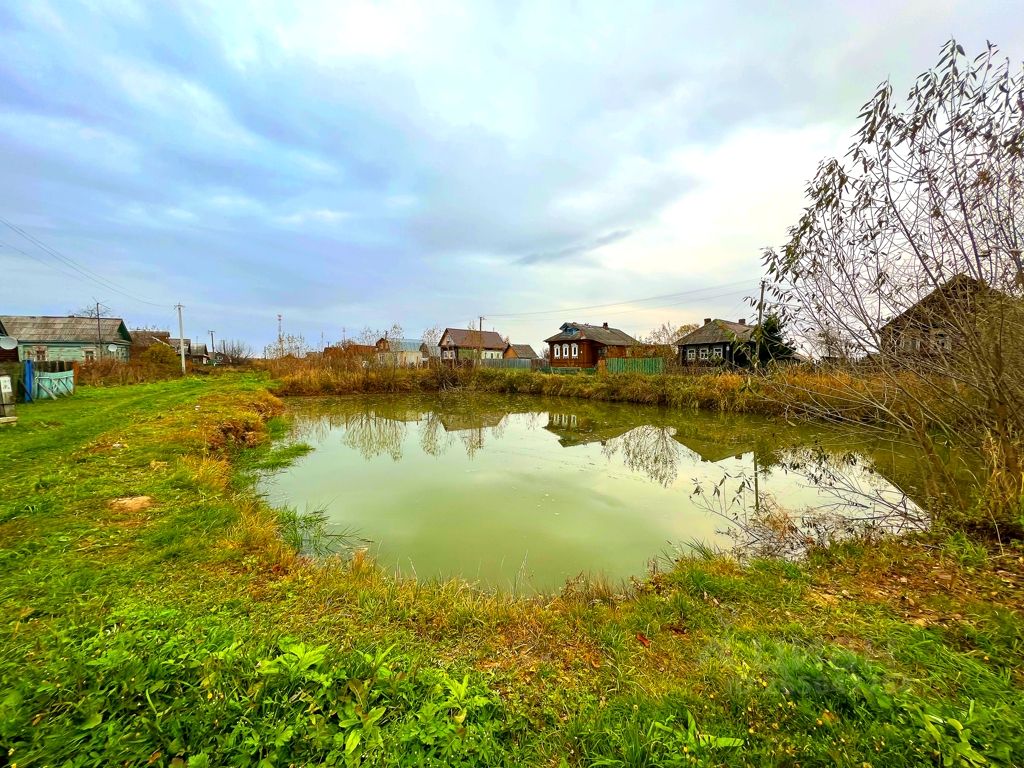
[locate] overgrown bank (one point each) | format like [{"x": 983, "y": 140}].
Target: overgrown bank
[
  {"x": 791, "y": 390},
  {"x": 189, "y": 631}
]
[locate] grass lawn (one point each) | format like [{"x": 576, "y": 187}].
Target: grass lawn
[{"x": 190, "y": 633}]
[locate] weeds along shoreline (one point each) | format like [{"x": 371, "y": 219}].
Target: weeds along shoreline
[{"x": 782, "y": 391}]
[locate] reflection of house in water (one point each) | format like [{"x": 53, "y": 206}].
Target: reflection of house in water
[{"x": 580, "y": 429}]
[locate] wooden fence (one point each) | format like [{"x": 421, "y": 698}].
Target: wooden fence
[{"x": 645, "y": 365}]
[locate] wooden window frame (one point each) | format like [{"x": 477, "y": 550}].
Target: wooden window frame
[
  {"x": 575, "y": 351},
  {"x": 705, "y": 353},
  {"x": 558, "y": 351},
  {"x": 691, "y": 354}
]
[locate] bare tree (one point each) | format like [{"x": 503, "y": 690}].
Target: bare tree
[
  {"x": 234, "y": 352},
  {"x": 909, "y": 256},
  {"x": 431, "y": 336},
  {"x": 667, "y": 333}
]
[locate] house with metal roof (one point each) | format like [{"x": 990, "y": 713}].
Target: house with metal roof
[
  {"x": 69, "y": 338},
  {"x": 520, "y": 352},
  {"x": 580, "y": 345},
  {"x": 469, "y": 344},
  {"x": 403, "y": 353},
  {"x": 717, "y": 342}
]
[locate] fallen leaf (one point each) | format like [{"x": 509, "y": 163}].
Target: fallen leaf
[{"x": 644, "y": 640}]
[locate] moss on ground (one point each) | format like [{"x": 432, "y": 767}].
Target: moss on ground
[{"x": 191, "y": 633}]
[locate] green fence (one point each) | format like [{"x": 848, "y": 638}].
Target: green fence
[
  {"x": 571, "y": 371},
  {"x": 648, "y": 365},
  {"x": 507, "y": 363}
]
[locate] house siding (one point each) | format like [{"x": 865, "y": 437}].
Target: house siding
[{"x": 71, "y": 352}]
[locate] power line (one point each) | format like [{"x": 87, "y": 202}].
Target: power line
[
  {"x": 563, "y": 310},
  {"x": 67, "y": 260}
]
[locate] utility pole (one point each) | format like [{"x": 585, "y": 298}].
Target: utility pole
[
  {"x": 280, "y": 338},
  {"x": 99, "y": 335},
  {"x": 213, "y": 350},
  {"x": 760, "y": 330},
  {"x": 181, "y": 337},
  {"x": 480, "y": 344}
]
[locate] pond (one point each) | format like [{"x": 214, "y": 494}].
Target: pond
[{"x": 524, "y": 493}]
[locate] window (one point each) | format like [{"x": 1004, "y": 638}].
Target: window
[
  {"x": 565, "y": 351},
  {"x": 558, "y": 352},
  {"x": 703, "y": 353},
  {"x": 41, "y": 354},
  {"x": 691, "y": 354},
  {"x": 717, "y": 353},
  {"x": 575, "y": 350},
  {"x": 89, "y": 355}
]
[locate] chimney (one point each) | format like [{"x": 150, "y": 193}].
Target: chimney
[
  {"x": 707, "y": 320},
  {"x": 743, "y": 321},
  {"x": 604, "y": 325}
]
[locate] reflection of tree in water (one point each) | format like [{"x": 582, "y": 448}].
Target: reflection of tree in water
[
  {"x": 434, "y": 440},
  {"x": 857, "y": 501},
  {"x": 373, "y": 435},
  {"x": 648, "y": 449}
]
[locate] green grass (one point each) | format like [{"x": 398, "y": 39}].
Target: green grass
[{"x": 191, "y": 633}]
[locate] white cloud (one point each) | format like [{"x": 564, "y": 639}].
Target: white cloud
[{"x": 318, "y": 216}]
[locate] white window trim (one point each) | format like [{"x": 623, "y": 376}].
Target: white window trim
[
  {"x": 575, "y": 350},
  {"x": 565, "y": 351},
  {"x": 558, "y": 352},
  {"x": 716, "y": 353},
  {"x": 704, "y": 353},
  {"x": 691, "y": 354}
]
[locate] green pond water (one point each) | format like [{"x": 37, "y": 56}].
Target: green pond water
[{"x": 524, "y": 493}]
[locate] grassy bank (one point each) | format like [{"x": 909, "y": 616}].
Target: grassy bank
[{"x": 188, "y": 632}]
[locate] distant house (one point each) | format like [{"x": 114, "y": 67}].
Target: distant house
[
  {"x": 579, "y": 345},
  {"x": 520, "y": 352},
  {"x": 73, "y": 339},
  {"x": 144, "y": 338},
  {"x": 717, "y": 342},
  {"x": 196, "y": 353},
  {"x": 430, "y": 352},
  {"x": 400, "y": 353},
  {"x": 349, "y": 350},
  {"x": 929, "y": 327},
  {"x": 469, "y": 344}
]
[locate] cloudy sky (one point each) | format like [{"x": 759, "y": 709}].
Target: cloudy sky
[{"x": 351, "y": 164}]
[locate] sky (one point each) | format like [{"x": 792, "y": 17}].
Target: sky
[{"x": 360, "y": 164}]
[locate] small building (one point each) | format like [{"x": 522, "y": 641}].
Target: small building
[
  {"x": 349, "y": 350},
  {"x": 579, "y": 345},
  {"x": 717, "y": 342},
  {"x": 470, "y": 344},
  {"x": 520, "y": 352},
  {"x": 400, "y": 353},
  {"x": 144, "y": 338},
  {"x": 71, "y": 339},
  {"x": 431, "y": 353},
  {"x": 196, "y": 353}
]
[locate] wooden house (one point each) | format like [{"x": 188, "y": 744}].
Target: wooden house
[
  {"x": 71, "y": 339},
  {"x": 717, "y": 342},
  {"x": 349, "y": 350},
  {"x": 579, "y": 345},
  {"x": 470, "y": 344},
  {"x": 400, "y": 353},
  {"x": 932, "y": 325},
  {"x": 520, "y": 352},
  {"x": 195, "y": 352}
]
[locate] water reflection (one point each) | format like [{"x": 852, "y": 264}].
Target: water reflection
[{"x": 568, "y": 486}]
